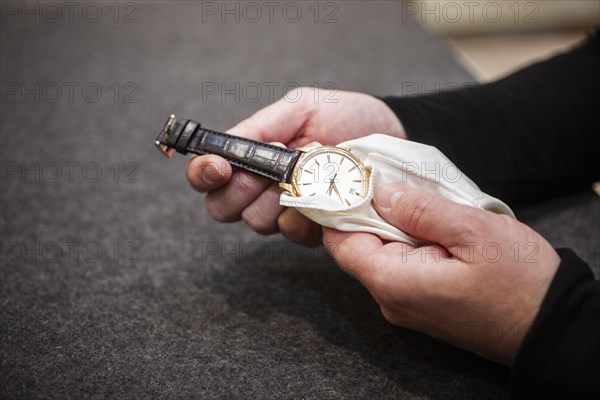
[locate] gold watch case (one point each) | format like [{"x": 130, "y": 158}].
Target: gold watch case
[{"x": 293, "y": 186}]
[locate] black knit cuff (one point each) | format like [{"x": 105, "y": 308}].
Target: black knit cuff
[{"x": 561, "y": 352}]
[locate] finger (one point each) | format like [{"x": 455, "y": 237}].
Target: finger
[
  {"x": 227, "y": 203},
  {"x": 206, "y": 173},
  {"x": 298, "y": 229},
  {"x": 353, "y": 253},
  {"x": 261, "y": 215},
  {"x": 394, "y": 273},
  {"x": 281, "y": 122},
  {"x": 431, "y": 217},
  {"x": 399, "y": 260}
]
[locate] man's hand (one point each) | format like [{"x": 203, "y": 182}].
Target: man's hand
[
  {"x": 479, "y": 284},
  {"x": 327, "y": 117}
]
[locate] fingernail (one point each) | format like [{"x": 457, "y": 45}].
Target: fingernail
[
  {"x": 212, "y": 173},
  {"x": 387, "y": 195}
]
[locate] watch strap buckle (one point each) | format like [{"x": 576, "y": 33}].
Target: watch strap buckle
[{"x": 161, "y": 140}]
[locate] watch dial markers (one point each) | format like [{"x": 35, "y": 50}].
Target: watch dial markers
[{"x": 325, "y": 177}]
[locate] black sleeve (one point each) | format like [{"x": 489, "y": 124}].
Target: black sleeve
[
  {"x": 532, "y": 134},
  {"x": 560, "y": 355}
]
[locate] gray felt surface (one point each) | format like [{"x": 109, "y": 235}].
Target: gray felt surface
[{"x": 114, "y": 283}]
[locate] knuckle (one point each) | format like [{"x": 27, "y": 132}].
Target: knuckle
[
  {"x": 506, "y": 225},
  {"x": 468, "y": 229},
  {"x": 478, "y": 221},
  {"x": 298, "y": 96},
  {"x": 297, "y": 91},
  {"x": 258, "y": 222},
  {"x": 381, "y": 292},
  {"x": 390, "y": 315},
  {"x": 344, "y": 257},
  {"x": 416, "y": 207},
  {"x": 298, "y": 229},
  {"x": 505, "y": 221},
  {"x": 214, "y": 207},
  {"x": 288, "y": 229},
  {"x": 244, "y": 183}
]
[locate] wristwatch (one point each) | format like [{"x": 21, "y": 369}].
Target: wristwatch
[{"x": 332, "y": 171}]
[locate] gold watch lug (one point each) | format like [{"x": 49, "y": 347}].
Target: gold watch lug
[
  {"x": 348, "y": 149},
  {"x": 287, "y": 187}
]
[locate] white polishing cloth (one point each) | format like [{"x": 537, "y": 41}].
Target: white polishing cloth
[{"x": 394, "y": 160}]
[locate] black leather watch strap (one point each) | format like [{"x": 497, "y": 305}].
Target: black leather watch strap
[{"x": 187, "y": 136}]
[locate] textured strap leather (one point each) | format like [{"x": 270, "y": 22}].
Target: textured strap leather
[{"x": 273, "y": 162}]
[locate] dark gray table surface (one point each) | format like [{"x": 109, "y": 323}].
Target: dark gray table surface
[{"x": 115, "y": 283}]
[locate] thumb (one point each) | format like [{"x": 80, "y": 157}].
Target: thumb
[{"x": 430, "y": 217}]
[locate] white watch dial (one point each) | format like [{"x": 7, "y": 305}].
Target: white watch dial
[{"x": 332, "y": 172}]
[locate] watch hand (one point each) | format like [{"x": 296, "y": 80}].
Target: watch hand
[
  {"x": 330, "y": 188},
  {"x": 338, "y": 193},
  {"x": 331, "y": 185}
]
